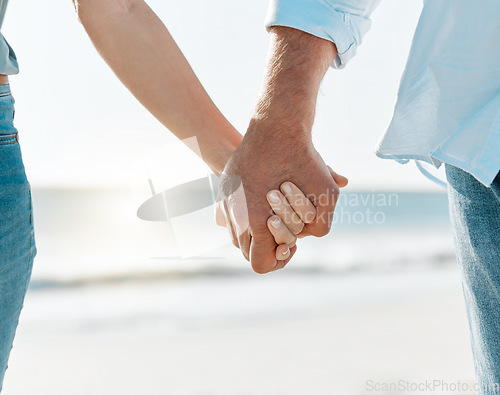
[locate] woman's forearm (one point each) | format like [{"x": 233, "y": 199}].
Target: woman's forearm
[{"x": 142, "y": 53}]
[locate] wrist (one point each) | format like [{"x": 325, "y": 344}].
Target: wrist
[
  {"x": 278, "y": 134},
  {"x": 287, "y": 112},
  {"x": 221, "y": 149}
]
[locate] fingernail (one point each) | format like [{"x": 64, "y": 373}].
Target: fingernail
[
  {"x": 286, "y": 252},
  {"x": 287, "y": 188},
  {"x": 274, "y": 198},
  {"x": 276, "y": 223}
]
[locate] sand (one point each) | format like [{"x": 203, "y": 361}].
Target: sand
[{"x": 288, "y": 334}]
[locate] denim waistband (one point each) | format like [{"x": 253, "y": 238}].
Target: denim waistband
[{"x": 4, "y": 88}]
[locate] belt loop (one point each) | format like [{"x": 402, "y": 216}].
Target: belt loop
[{"x": 17, "y": 137}]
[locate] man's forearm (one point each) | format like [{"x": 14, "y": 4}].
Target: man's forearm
[
  {"x": 297, "y": 64},
  {"x": 142, "y": 53}
]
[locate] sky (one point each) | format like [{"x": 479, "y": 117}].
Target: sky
[{"x": 80, "y": 128}]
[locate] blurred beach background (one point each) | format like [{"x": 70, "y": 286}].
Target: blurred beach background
[{"x": 119, "y": 305}]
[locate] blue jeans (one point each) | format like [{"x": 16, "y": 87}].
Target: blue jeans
[
  {"x": 475, "y": 216},
  {"x": 17, "y": 244}
]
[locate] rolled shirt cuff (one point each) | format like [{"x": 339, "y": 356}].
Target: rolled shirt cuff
[{"x": 322, "y": 19}]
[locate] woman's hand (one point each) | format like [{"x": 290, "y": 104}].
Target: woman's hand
[{"x": 292, "y": 211}]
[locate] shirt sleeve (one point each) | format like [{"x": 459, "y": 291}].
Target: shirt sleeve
[{"x": 344, "y": 22}]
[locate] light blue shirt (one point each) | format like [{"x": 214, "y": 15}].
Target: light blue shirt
[
  {"x": 448, "y": 107},
  {"x": 8, "y": 60}
]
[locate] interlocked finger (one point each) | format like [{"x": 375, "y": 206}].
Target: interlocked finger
[{"x": 282, "y": 209}]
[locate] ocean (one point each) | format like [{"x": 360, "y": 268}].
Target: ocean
[{"x": 96, "y": 236}]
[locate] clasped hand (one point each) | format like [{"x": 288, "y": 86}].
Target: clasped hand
[{"x": 273, "y": 193}]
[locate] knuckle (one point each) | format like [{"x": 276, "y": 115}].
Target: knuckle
[
  {"x": 297, "y": 228},
  {"x": 323, "y": 233},
  {"x": 320, "y": 230},
  {"x": 309, "y": 216}
]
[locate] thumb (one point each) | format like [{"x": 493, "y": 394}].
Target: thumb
[
  {"x": 262, "y": 253},
  {"x": 341, "y": 181}
]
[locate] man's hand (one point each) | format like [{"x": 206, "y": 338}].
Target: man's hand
[
  {"x": 259, "y": 165},
  {"x": 278, "y": 147}
]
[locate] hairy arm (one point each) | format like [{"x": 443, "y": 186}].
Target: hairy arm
[
  {"x": 297, "y": 64},
  {"x": 142, "y": 53}
]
